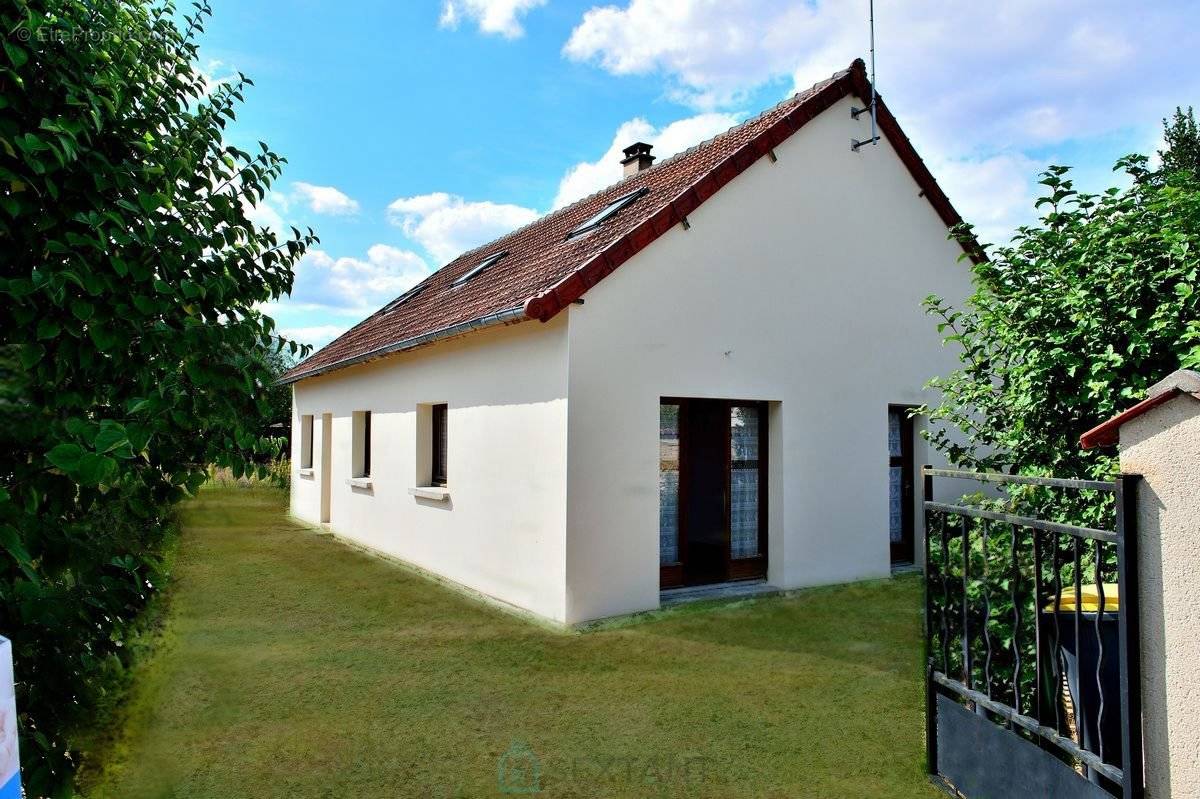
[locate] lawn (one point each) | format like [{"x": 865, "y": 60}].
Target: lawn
[{"x": 294, "y": 666}]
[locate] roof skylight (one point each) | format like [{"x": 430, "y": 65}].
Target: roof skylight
[
  {"x": 403, "y": 298},
  {"x": 484, "y": 265},
  {"x": 608, "y": 212}
]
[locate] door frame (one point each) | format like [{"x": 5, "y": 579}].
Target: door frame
[{"x": 673, "y": 575}]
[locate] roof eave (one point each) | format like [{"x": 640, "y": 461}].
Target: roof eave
[
  {"x": 1183, "y": 382},
  {"x": 506, "y": 317}
]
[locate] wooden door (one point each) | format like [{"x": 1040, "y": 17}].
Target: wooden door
[{"x": 712, "y": 491}]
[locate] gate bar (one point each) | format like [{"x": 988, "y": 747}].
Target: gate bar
[
  {"x": 1130, "y": 635},
  {"x": 996, "y": 477},
  {"x": 930, "y": 695},
  {"x": 1023, "y": 521}
]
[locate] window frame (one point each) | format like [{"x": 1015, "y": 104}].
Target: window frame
[
  {"x": 360, "y": 431},
  {"x": 484, "y": 265},
  {"x": 608, "y": 212},
  {"x": 306, "y": 440},
  {"x": 439, "y": 444},
  {"x": 403, "y": 298},
  {"x": 366, "y": 459}
]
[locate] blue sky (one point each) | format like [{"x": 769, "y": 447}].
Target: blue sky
[{"x": 414, "y": 130}]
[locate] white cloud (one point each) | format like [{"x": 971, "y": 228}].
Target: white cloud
[
  {"x": 324, "y": 199},
  {"x": 981, "y": 88},
  {"x": 500, "y": 17},
  {"x": 265, "y": 214},
  {"x": 315, "y": 335},
  {"x": 446, "y": 225},
  {"x": 712, "y": 50},
  {"x": 1022, "y": 71},
  {"x": 215, "y": 74},
  {"x": 996, "y": 193},
  {"x": 356, "y": 284},
  {"x": 590, "y": 176}
]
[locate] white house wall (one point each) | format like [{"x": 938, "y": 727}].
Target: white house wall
[
  {"x": 799, "y": 283},
  {"x": 501, "y": 531}
]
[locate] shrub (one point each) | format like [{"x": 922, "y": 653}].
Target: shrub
[{"x": 132, "y": 353}]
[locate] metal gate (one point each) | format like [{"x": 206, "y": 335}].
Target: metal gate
[{"x": 1031, "y": 639}]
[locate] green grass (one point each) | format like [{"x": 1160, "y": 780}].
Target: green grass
[{"x": 294, "y": 666}]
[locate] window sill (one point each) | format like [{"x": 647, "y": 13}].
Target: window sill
[
  {"x": 439, "y": 493},
  {"x": 359, "y": 482},
  {"x": 306, "y": 473}
]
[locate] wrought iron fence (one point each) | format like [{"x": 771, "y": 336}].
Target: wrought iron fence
[{"x": 1031, "y": 634}]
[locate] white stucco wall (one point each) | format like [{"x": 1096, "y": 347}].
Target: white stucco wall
[
  {"x": 1163, "y": 446},
  {"x": 501, "y": 531},
  {"x": 799, "y": 283}
]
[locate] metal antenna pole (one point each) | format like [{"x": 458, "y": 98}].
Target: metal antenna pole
[{"x": 855, "y": 112}]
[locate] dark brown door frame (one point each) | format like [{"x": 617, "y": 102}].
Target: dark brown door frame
[
  {"x": 904, "y": 551},
  {"x": 735, "y": 568}
]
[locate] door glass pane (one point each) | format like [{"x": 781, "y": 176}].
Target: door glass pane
[
  {"x": 894, "y": 445},
  {"x": 668, "y": 484},
  {"x": 743, "y": 482},
  {"x": 896, "y": 503}
]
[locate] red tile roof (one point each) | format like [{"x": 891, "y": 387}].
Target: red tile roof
[
  {"x": 544, "y": 270},
  {"x": 1181, "y": 382}
]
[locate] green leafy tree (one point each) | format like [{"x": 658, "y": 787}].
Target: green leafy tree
[
  {"x": 132, "y": 350},
  {"x": 1068, "y": 324},
  {"x": 278, "y": 397},
  {"x": 1183, "y": 144},
  {"x": 1071, "y": 322}
]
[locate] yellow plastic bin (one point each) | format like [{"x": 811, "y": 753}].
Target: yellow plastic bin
[{"x": 1079, "y": 662}]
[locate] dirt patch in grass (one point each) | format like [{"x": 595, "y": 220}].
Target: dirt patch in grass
[{"x": 295, "y": 666}]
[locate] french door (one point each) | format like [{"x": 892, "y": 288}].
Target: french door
[{"x": 712, "y": 491}]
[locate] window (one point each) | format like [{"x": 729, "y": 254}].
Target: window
[
  {"x": 306, "y": 441},
  {"x": 609, "y": 211},
  {"x": 403, "y": 298},
  {"x": 484, "y": 266},
  {"x": 362, "y": 444},
  {"x": 745, "y": 493},
  {"x": 438, "y": 452}
]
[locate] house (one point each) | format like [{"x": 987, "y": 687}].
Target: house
[{"x": 697, "y": 375}]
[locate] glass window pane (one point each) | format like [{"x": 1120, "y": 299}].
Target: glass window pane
[
  {"x": 743, "y": 481},
  {"x": 744, "y": 433},
  {"x": 894, "y": 450},
  {"x": 896, "y": 503},
  {"x": 743, "y": 512},
  {"x": 668, "y": 484}
]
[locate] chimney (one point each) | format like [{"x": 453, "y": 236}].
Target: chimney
[{"x": 637, "y": 158}]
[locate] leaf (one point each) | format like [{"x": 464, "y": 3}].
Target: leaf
[
  {"x": 16, "y": 53},
  {"x": 102, "y": 337},
  {"x": 111, "y": 436},
  {"x": 82, "y": 310},
  {"x": 82, "y": 429},
  {"x": 31, "y": 354},
  {"x": 10, "y": 540},
  {"x": 145, "y": 305},
  {"x": 66, "y": 456},
  {"x": 48, "y": 328},
  {"x": 94, "y": 469}
]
